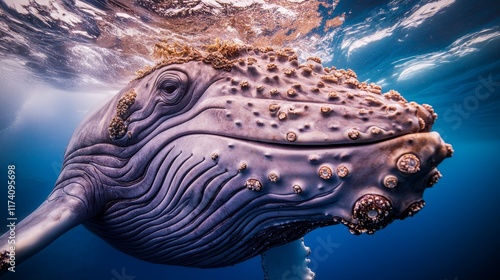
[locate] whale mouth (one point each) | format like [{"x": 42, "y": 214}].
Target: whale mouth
[
  {"x": 294, "y": 143},
  {"x": 369, "y": 212}
]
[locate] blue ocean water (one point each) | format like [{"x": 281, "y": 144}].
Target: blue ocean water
[{"x": 446, "y": 54}]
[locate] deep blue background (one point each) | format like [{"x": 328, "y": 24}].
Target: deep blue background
[{"x": 454, "y": 237}]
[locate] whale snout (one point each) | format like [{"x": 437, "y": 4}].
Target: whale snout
[{"x": 410, "y": 169}]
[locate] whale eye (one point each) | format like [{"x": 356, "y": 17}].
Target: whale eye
[
  {"x": 172, "y": 86},
  {"x": 169, "y": 88}
]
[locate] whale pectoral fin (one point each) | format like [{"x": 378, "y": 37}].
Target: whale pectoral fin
[
  {"x": 58, "y": 214},
  {"x": 287, "y": 261}
]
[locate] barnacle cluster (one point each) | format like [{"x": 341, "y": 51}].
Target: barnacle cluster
[
  {"x": 226, "y": 54},
  {"x": 373, "y": 212},
  {"x": 124, "y": 103},
  {"x": 253, "y": 184},
  {"x": 220, "y": 54},
  {"x": 412, "y": 209},
  {"x": 117, "y": 126},
  {"x": 434, "y": 179}
]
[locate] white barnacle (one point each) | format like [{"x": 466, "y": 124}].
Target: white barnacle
[
  {"x": 253, "y": 184},
  {"x": 342, "y": 171},
  {"x": 333, "y": 95},
  {"x": 375, "y": 130},
  {"x": 314, "y": 157},
  {"x": 273, "y": 108},
  {"x": 242, "y": 166},
  {"x": 325, "y": 110},
  {"x": 281, "y": 116},
  {"x": 390, "y": 181},
  {"x": 296, "y": 189},
  {"x": 353, "y": 134},
  {"x": 291, "y": 136},
  {"x": 273, "y": 92},
  {"x": 291, "y": 92},
  {"x": 273, "y": 177},
  {"x": 408, "y": 163},
  {"x": 244, "y": 84},
  {"x": 325, "y": 172}
]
